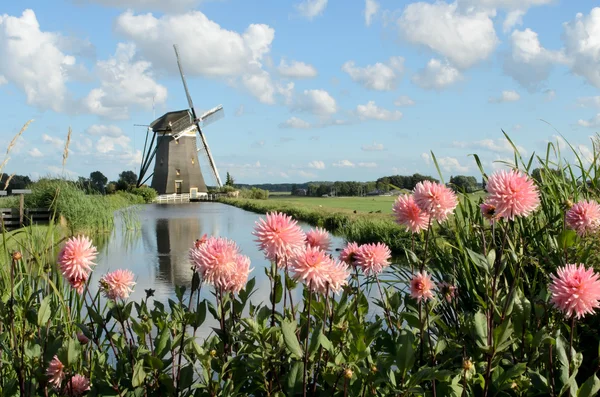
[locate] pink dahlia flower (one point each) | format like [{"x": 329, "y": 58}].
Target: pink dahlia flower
[
  {"x": 488, "y": 211},
  {"x": 78, "y": 385},
  {"x": 76, "y": 260},
  {"x": 348, "y": 254},
  {"x": 312, "y": 266},
  {"x": 319, "y": 238},
  {"x": 421, "y": 287},
  {"x": 435, "y": 200},
  {"x": 279, "y": 236},
  {"x": 239, "y": 277},
  {"x": 200, "y": 241},
  {"x": 55, "y": 372},
  {"x": 337, "y": 275},
  {"x": 373, "y": 258},
  {"x": 409, "y": 214},
  {"x": 118, "y": 284},
  {"x": 78, "y": 283},
  {"x": 576, "y": 290},
  {"x": 512, "y": 193},
  {"x": 216, "y": 260},
  {"x": 584, "y": 217},
  {"x": 447, "y": 290}
]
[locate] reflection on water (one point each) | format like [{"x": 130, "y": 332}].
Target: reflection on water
[{"x": 158, "y": 253}]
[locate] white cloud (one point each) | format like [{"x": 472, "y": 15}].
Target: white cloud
[
  {"x": 162, "y": 5},
  {"x": 465, "y": 37},
  {"x": 515, "y": 9},
  {"x": 259, "y": 84},
  {"x": 367, "y": 165},
  {"x": 108, "y": 144},
  {"x": 372, "y": 111},
  {"x": 240, "y": 110},
  {"x": 344, "y": 164},
  {"x": 295, "y": 122},
  {"x": 305, "y": 174},
  {"x": 375, "y": 147},
  {"x": 499, "y": 145},
  {"x": 506, "y": 96},
  {"x": 426, "y": 158},
  {"x": 104, "y": 130},
  {"x": 451, "y": 164},
  {"x": 311, "y": 8},
  {"x": 590, "y": 101},
  {"x": 371, "y": 9},
  {"x": 513, "y": 18},
  {"x": 35, "y": 152},
  {"x": 404, "y": 100},
  {"x": 3, "y": 80},
  {"x": 124, "y": 84},
  {"x": 56, "y": 142},
  {"x": 529, "y": 63},
  {"x": 296, "y": 70},
  {"x": 379, "y": 77},
  {"x": 550, "y": 95},
  {"x": 582, "y": 45},
  {"x": 317, "y": 164},
  {"x": 32, "y": 60},
  {"x": 436, "y": 75},
  {"x": 591, "y": 123},
  {"x": 318, "y": 102}
]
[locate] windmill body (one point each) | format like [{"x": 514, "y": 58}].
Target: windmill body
[{"x": 176, "y": 140}]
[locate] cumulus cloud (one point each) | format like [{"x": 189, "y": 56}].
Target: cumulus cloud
[
  {"x": 259, "y": 84},
  {"x": 590, "y": 101},
  {"x": 344, "y": 164},
  {"x": 437, "y": 75},
  {"x": 374, "y": 112},
  {"x": 375, "y": 147},
  {"x": 311, "y": 8},
  {"x": 108, "y": 144},
  {"x": 493, "y": 145},
  {"x": 124, "y": 84},
  {"x": 549, "y": 95},
  {"x": 35, "y": 152},
  {"x": 318, "y": 102},
  {"x": 371, "y": 9},
  {"x": 379, "y": 77},
  {"x": 317, "y": 164},
  {"x": 594, "y": 122},
  {"x": 104, "y": 130},
  {"x": 506, "y": 96},
  {"x": 295, "y": 122},
  {"x": 296, "y": 70},
  {"x": 404, "y": 100},
  {"x": 451, "y": 164},
  {"x": 582, "y": 45},
  {"x": 162, "y": 5},
  {"x": 426, "y": 158},
  {"x": 367, "y": 165},
  {"x": 33, "y": 61},
  {"x": 515, "y": 9},
  {"x": 464, "y": 37},
  {"x": 54, "y": 141}
]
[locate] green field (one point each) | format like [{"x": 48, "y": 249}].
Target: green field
[{"x": 340, "y": 204}]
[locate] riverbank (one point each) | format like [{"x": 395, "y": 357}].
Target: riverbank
[{"x": 364, "y": 226}]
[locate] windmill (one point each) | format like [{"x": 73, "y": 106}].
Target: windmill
[{"x": 174, "y": 148}]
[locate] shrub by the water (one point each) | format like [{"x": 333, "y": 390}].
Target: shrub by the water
[
  {"x": 494, "y": 298},
  {"x": 146, "y": 192}
]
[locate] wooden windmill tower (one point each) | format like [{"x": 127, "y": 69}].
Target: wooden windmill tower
[{"x": 174, "y": 148}]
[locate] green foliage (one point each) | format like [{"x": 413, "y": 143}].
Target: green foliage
[
  {"x": 464, "y": 184},
  {"x": 254, "y": 194},
  {"x": 146, "y": 192}
]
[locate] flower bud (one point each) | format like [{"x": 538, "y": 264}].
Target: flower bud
[
  {"x": 16, "y": 256},
  {"x": 213, "y": 353},
  {"x": 467, "y": 365},
  {"x": 348, "y": 373},
  {"x": 373, "y": 368}
]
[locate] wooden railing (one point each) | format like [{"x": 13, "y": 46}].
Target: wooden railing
[
  {"x": 11, "y": 218},
  {"x": 185, "y": 198}
]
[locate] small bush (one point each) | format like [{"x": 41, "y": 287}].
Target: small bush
[{"x": 146, "y": 192}]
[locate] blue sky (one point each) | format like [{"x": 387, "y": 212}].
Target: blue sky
[{"x": 312, "y": 89}]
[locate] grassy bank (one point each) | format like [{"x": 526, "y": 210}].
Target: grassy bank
[
  {"x": 361, "y": 227},
  {"x": 80, "y": 211}
]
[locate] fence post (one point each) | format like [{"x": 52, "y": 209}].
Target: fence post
[{"x": 21, "y": 193}]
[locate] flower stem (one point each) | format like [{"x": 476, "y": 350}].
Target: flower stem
[
  {"x": 306, "y": 340},
  {"x": 385, "y": 307}
]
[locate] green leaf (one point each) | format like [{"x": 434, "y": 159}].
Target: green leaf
[
  {"x": 44, "y": 312},
  {"x": 405, "y": 352},
  {"x": 139, "y": 375},
  {"x": 294, "y": 379},
  {"x": 480, "y": 323},
  {"x": 162, "y": 343},
  {"x": 479, "y": 260},
  {"x": 288, "y": 329},
  {"x": 511, "y": 373},
  {"x": 566, "y": 238},
  {"x": 73, "y": 352},
  {"x": 590, "y": 387},
  {"x": 325, "y": 342}
]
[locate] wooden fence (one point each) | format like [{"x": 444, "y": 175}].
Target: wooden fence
[{"x": 11, "y": 218}]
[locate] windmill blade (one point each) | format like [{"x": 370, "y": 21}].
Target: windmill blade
[
  {"x": 214, "y": 114},
  {"x": 211, "y": 161},
  {"x": 187, "y": 92}
]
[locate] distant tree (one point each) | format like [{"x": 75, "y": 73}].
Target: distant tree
[
  {"x": 463, "y": 183},
  {"x": 14, "y": 182},
  {"x": 98, "y": 181},
  {"x": 111, "y": 187},
  {"x": 126, "y": 180},
  {"x": 294, "y": 190},
  {"x": 229, "y": 181},
  {"x": 539, "y": 174}
]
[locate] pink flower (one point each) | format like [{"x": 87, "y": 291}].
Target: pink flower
[
  {"x": 319, "y": 238},
  {"x": 239, "y": 277},
  {"x": 373, "y": 258},
  {"x": 348, "y": 254},
  {"x": 77, "y": 386},
  {"x": 279, "y": 236},
  {"x": 55, "y": 372},
  {"x": 435, "y": 200},
  {"x": 200, "y": 241},
  {"x": 76, "y": 260},
  {"x": 488, "y": 211},
  {"x": 409, "y": 214},
  {"x": 312, "y": 266},
  {"x": 117, "y": 284},
  {"x": 337, "y": 275},
  {"x": 576, "y": 290},
  {"x": 512, "y": 193},
  {"x": 584, "y": 217},
  {"x": 421, "y": 286},
  {"x": 216, "y": 260},
  {"x": 447, "y": 290}
]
